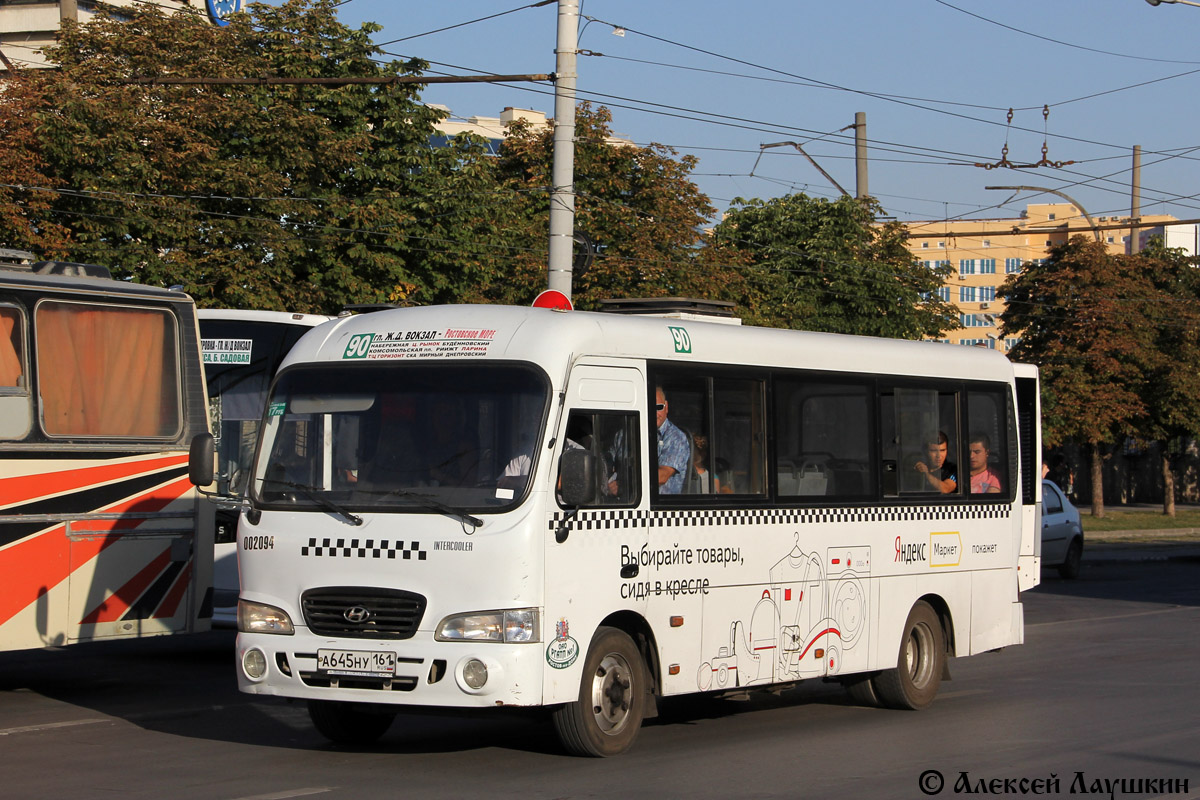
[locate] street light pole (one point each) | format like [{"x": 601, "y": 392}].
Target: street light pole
[{"x": 1173, "y": 2}]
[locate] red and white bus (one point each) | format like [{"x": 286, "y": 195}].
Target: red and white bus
[{"x": 101, "y": 394}]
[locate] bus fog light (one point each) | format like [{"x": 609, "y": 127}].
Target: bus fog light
[
  {"x": 474, "y": 673},
  {"x": 254, "y": 663}
]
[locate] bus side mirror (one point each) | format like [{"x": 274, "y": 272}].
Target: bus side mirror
[
  {"x": 201, "y": 459},
  {"x": 577, "y": 475}
]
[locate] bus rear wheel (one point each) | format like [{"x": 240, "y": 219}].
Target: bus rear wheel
[
  {"x": 918, "y": 673},
  {"x": 606, "y": 718},
  {"x": 349, "y": 723}
]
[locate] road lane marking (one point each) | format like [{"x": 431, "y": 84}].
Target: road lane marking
[
  {"x": 288, "y": 793},
  {"x": 50, "y": 726},
  {"x": 1131, "y": 615}
]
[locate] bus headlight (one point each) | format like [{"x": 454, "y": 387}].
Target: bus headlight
[
  {"x": 517, "y": 625},
  {"x": 262, "y": 618}
]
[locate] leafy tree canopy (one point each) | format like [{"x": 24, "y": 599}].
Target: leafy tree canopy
[
  {"x": 289, "y": 197},
  {"x": 1081, "y": 317},
  {"x": 637, "y": 204},
  {"x": 825, "y": 266}
]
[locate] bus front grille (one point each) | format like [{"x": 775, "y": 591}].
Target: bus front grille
[{"x": 362, "y": 612}]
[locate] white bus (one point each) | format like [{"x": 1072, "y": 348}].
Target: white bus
[
  {"x": 101, "y": 394},
  {"x": 461, "y": 507},
  {"x": 242, "y": 350}
]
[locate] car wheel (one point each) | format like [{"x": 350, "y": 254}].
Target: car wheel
[{"x": 1069, "y": 569}]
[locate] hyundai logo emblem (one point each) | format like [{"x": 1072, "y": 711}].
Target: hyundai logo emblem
[{"x": 357, "y": 614}]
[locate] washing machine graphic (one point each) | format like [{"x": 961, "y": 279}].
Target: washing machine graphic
[{"x": 849, "y": 606}]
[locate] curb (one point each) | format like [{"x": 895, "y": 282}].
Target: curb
[{"x": 1144, "y": 550}]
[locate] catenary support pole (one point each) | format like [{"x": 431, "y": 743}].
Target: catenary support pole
[
  {"x": 562, "y": 195},
  {"x": 860, "y": 155},
  {"x": 1135, "y": 201}
]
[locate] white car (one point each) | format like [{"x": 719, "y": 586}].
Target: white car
[{"x": 1062, "y": 532}]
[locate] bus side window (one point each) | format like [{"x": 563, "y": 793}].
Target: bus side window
[
  {"x": 107, "y": 371},
  {"x": 15, "y": 413},
  {"x": 920, "y": 439},
  {"x": 822, "y": 438},
  {"x": 988, "y": 464}
]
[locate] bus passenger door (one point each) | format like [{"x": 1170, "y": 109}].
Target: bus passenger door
[{"x": 592, "y": 551}]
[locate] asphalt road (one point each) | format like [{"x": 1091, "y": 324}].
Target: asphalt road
[{"x": 1104, "y": 689}]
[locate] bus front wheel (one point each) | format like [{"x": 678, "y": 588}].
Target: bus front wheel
[
  {"x": 606, "y": 718},
  {"x": 918, "y": 673}
]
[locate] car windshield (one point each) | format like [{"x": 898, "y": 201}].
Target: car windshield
[{"x": 398, "y": 437}]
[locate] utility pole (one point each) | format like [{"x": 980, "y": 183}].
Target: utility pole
[
  {"x": 1135, "y": 202},
  {"x": 860, "y": 154},
  {"x": 562, "y": 195}
]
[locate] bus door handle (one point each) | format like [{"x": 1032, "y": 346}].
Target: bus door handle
[{"x": 629, "y": 570}]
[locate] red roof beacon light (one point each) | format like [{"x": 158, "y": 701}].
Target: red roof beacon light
[{"x": 554, "y": 299}]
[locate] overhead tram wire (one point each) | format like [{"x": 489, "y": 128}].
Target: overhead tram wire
[
  {"x": 724, "y": 120},
  {"x": 464, "y": 24},
  {"x": 1059, "y": 41},
  {"x": 767, "y": 127},
  {"x": 812, "y": 85},
  {"x": 876, "y": 95}
]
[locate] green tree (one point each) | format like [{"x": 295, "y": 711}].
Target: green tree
[
  {"x": 637, "y": 204},
  {"x": 1172, "y": 388},
  {"x": 288, "y": 197},
  {"x": 826, "y": 266},
  {"x": 1082, "y": 317},
  {"x": 26, "y": 195}
]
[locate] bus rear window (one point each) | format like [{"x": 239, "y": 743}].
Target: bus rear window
[{"x": 107, "y": 371}]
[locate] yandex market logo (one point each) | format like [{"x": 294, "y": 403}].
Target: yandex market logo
[{"x": 911, "y": 552}]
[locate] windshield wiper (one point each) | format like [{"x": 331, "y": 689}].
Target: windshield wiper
[
  {"x": 311, "y": 493},
  {"x": 426, "y": 501}
]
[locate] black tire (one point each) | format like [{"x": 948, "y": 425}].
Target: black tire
[
  {"x": 349, "y": 723},
  {"x": 1069, "y": 569},
  {"x": 919, "y": 665},
  {"x": 862, "y": 691},
  {"x": 606, "y": 718}
]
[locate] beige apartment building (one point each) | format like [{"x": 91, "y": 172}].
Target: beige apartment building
[
  {"x": 28, "y": 26},
  {"x": 983, "y": 252}
]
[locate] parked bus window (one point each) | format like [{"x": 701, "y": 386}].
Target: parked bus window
[
  {"x": 116, "y": 372},
  {"x": 12, "y": 348},
  {"x": 823, "y": 433}
]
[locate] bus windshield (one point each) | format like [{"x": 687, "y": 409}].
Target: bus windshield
[{"x": 401, "y": 438}]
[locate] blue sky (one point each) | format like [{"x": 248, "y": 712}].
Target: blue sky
[{"x": 935, "y": 78}]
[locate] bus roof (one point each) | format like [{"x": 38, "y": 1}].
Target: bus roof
[
  {"x": 19, "y": 279},
  {"x": 551, "y": 338},
  {"x": 277, "y": 317}
]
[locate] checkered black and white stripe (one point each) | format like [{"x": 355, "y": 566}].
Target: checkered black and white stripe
[
  {"x": 619, "y": 519},
  {"x": 363, "y": 548}
]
